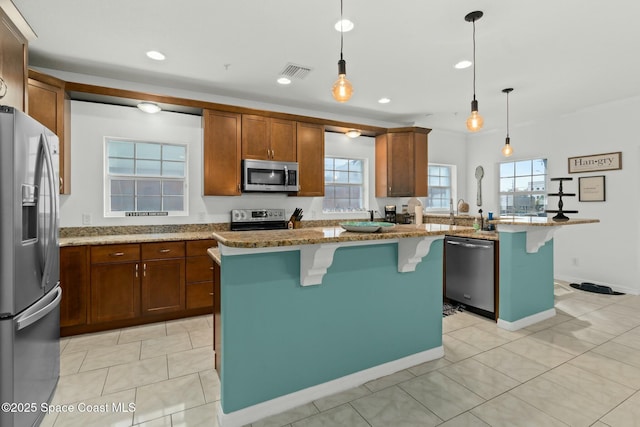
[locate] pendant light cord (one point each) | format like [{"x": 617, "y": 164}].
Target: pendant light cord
[
  {"x": 508, "y": 114},
  {"x": 341, "y": 30},
  {"x": 474, "y": 59}
]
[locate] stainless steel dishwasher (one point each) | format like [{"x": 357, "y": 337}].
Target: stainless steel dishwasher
[{"x": 470, "y": 273}]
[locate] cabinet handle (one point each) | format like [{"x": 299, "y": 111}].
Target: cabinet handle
[
  {"x": 144, "y": 270},
  {"x": 136, "y": 270},
  {"x": 210, "y": 294},
  {"x": 165, "y": 251},
  {"x": 210, "y": 268},
  {"x": 117, "y": 254}
]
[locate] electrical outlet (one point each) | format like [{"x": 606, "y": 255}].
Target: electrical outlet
[{"x": 86, "y": 219}]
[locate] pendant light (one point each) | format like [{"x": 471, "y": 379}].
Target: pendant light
[
  {"x": 342, "y": 88},
  {"x": 507, "y": 150},
  {"x": 475, "y": 120}
]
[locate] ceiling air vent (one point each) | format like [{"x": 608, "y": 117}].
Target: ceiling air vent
[{"x": 294, "y": 71}]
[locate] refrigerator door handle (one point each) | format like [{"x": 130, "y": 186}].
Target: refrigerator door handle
[
  {"x": 51, "y": 238},
  {"x": 40, "y": 309}
]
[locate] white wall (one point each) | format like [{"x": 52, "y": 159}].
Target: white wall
[{"x": 605, "y": 253}]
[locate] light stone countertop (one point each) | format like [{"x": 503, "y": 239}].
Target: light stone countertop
[
  {"x": 134, "y": 238},
  {"x": 539, "y": 221},
  {"x": 214, "y": 253}
]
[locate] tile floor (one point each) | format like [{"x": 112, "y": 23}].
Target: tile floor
[{"x": 580, "y": 368}]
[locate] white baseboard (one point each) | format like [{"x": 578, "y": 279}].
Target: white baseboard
[
  {"x": 526, "y": 321},
  {"x": 289, "y": 401}
]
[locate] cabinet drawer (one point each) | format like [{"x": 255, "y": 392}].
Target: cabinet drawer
[
  {"x": 162, "y": 250},
  {"x": 199, "y": 295},
  {"x": 199, "y": 247},
  {"x": 115, "y": 253},
  {"x": 199, "y": 269}
]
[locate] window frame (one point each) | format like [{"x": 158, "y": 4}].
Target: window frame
[
  {"x": 107, "y": 178},
  {"x": 364, "y": 185},
  {"x": 516, "y": 193},
  {"x": 453, "y": 188}
]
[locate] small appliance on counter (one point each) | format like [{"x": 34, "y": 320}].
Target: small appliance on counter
[
  {"x": 390, "y": 213},
  {"x": 258, "y": 219}
]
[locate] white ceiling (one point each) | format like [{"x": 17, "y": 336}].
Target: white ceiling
[{"x": 559, "y": 55}]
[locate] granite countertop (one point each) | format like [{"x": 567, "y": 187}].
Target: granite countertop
[
  {"x": 134, "y": 238},
  {"x": 539, "y": 221},
  {"x": 214, "y": 253},
  {"x": 309, "y": 236}
]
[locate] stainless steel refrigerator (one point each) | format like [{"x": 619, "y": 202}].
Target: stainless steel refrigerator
[{"x": 29, "y": 268}]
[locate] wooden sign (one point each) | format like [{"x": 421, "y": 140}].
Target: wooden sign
[{"x": 595, "y": 162}]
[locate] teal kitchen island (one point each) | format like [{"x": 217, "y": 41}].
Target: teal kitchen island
[{"x": 310, "y": 312}]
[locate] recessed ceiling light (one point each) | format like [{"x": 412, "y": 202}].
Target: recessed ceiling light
[
  {"x": 353, "y": 133},
  {"x": 463, "y": 64},
  {"x": 344, "y": 26},
  {"x": 154, "y": 54},
  {"x": 283, "y": 81},
  {"x": 384, "y": 100},
  {"x": 149, "y": 107}
]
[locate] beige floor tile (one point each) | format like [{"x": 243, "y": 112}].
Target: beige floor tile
[
  {"x": 558, "y": 402},
  {"x": 627, "y": 414},
  {"x": 49, "y": 420},
  {"x": 394, "y": 407},
  {"x": 287, "y": 417},
  {"x": 426, "y": 367},
  {"x": 459, "y": 321},
  {"x": 165, "y": 345},
  {"x": 136, "y": 373},
  {"x": 611, "y": 369},
  {"x": 342, "y": 416},
  {"x": 511, "y": 364},
  {"x": 75, "y": 387},
  {"x": 563, "y": 342},
  {"x": 158, "y": 422},
  {"x": 630, "y": 339},
  {"x": 538, "y": 352},
  {"x": 168, "y": 397},
  {"x": 624, "y": 310},
  {"x": 509, "y": 411},
  {"x": 200, "y": 416},
  {"x": 389, "y": 380},
  {"x": 610, "y": 322},
  {"x": 484, "y": 381},
  {"x": 584, "y": 331},
  {"x": 63, "y": 343},
  {"x": 201, "y": 338},
  {"x": 478, "y": 337},
  {"x": 108, "y": 410},
  {"x": 92, "y": 341},
  {"x": 70, "y": 363},
  {"x": 547, "y": 323},
  {"x": 466, "y": 419},
  {"x": 140, "y": 333},
  {"x": 620, "y": 352},
  {"x": 210, "y": 385},
  {"x": 190, "y": 361},
  {"x": 493, "y": 328},
  {"x": 575, "y": 307},
  {"x": 441, "y": 395},
  {"x": 187, "y": 325},
  {"x": 111, "y": 356},
  {"x": 341, "y": 398},
  {"x": 456, "y": 350}
]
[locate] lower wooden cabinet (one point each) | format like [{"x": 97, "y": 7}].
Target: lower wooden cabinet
[
  {"x": 163, "y": 286},
  {"x": 199, "y": 274},
  {"x": 115, "y": 292},
  {"x": 74, "y": 281}
]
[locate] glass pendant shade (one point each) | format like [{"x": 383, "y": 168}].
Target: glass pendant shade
[
  {"x": 507, "y": 150},
  {"x": 342, "y": 88},
  {"x": 475, "y": 120}
]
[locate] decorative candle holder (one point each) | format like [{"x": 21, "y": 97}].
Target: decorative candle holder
[{"x": 560, "y": 217}]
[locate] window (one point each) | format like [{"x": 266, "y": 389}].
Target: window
[
  {"x": 145, "y": 177},
  {"x": 523, "y": 186},
  {"x": 344, "y": 187},
  {"x": 441, "y": 182}
]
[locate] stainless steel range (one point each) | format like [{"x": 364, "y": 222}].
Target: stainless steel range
[{"x": 258, "y": 219}]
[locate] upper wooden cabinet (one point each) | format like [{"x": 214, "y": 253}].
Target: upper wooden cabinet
[
  {"x": 222, "y": 140},
  {"x": 49, "y": 104},
  {"x": 13, "y": 64},
  {"x": 310, "y": 148},
  {"x": 266, "y": 138},
  {"x": 402, "y": 163}
]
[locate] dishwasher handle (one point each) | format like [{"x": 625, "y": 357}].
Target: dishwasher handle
[{"x": 469, "y": 245}]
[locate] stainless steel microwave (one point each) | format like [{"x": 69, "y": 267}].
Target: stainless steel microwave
[{"x": 269, "y": 176}]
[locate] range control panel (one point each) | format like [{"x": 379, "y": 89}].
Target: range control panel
[{"x": 257, "y": 215}]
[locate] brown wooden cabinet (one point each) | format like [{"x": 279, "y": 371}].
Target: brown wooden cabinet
[
  {"x": 163, "y": 277},
  {"x": 115, "y": 282},
  {"x": 74, "y": 281},
  {"x": 50, "y": 105},
  {"x": 221, "y": 152},
  {"x": 199, "y": 274},
  {"x": 402, "y": 163},
  {"x": 13, "y": 63},
  {"x": 267, "y": 138},
  {"x": 310, "y": 147},
  {"x": 217, "y": 319}
]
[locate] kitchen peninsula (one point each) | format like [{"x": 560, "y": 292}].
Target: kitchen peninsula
[{"x": 310, "y": 312}]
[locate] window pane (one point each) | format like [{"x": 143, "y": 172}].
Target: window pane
[
  {"x": 148, "y": 167},
  {"x": 434, "y": 180},
  {"x": 328, "y": 163},
  {"x": 119, "y": 149},
  {"x": 329, "y": 192},
  {"x": 356, "y": 193},
  {"x": 173, "y": 168},
  {"x": 149, "y": 203},
  {"x": 507, "y": 184},
  {"x": 507, "y": 169},
  {"x": 342, "y": 177},
  {"x": 523, "y": 168},
  {"x": 540, "y": 167},
  {"x": 444, "y": 182},
  {"x": 173, "y": 188},
  {"x": 174, "y": 152},
  {"x": 148, "y": 151},
  {"x": 328, "y": 176},
  {"x": 122, "y": 203},
  {"x": 539, "y": 182},
  {"x": 341, "y": 164},
  {"x": 355, "y": 178},
  {"x": 173, "y": 203},
  {"x": 355, "y": 165},
  {"x": 342, "y": 192},
  {"x": 122, "y": 187},
  {"x": 121, "y": 166},
  {"x": 523, "y": 183},
  {"x": 149, "y": 188},
  {"x": 344, "y": 185}
]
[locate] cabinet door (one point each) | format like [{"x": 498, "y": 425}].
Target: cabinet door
[
  {"x": 310, "y": 147},
  {"x": 222, "y": 141},
  {"x": 74, "y": 281},
  {"x": 13, "y": 63},
  {"x": 400, "y": 164},
  {"x": 115, "y": 291},
  {"x": 283, "y": 140},
  {"x": 256, "y": 134},
  {"x": 217, "y": 319},
  {"x": 421, "y": 163},
  {"x": 163, "y": 286}
]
